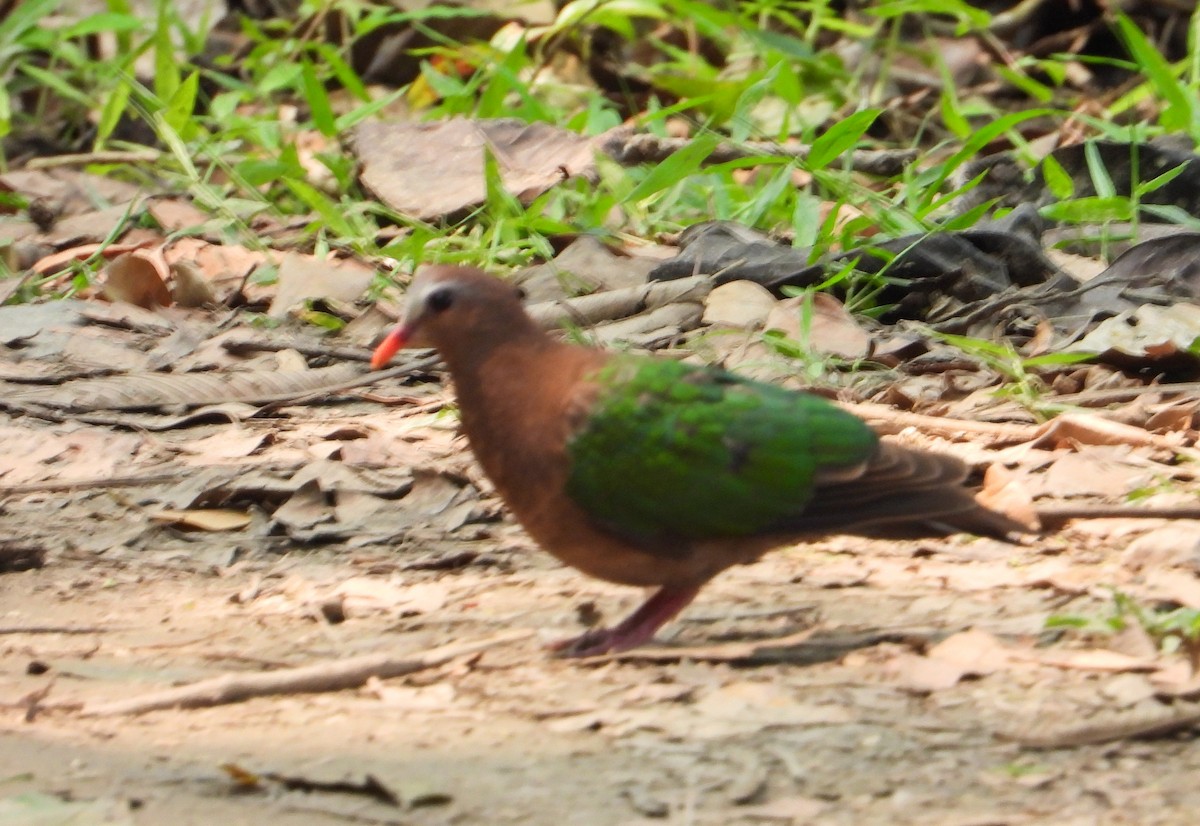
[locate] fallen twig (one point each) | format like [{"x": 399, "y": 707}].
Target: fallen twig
[
  {"x": 1056, "y": 514},
  {"x": 309, "y": 679},
  {"x": 53, "y": 629},
  {"x": 889, "y": 421},
  {"x": 1140, "y": 722},
  {"x": 241, "y": 346}
]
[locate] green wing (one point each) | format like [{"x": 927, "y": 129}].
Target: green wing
[{"x": 675, "y": 451}]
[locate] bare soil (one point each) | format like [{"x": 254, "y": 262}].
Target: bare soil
[{"x": 849, "y": 681}]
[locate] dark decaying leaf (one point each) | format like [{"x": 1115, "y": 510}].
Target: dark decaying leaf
[
  {"x": 1126, "y": 165},
  {"x": 966, "y": 266}
]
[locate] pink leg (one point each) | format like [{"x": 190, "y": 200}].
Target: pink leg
[{"x": 634, "y": 630}]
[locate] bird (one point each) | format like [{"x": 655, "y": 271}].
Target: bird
[{"x": 647, "y": 471}]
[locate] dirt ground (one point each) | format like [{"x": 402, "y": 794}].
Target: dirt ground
[{"x": 849, "y": 681}]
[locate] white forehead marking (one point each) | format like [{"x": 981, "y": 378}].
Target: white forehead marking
[{"x": 418, "y": 292}]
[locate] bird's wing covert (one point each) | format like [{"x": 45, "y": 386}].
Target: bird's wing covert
[{"x": 674, "y": 451}]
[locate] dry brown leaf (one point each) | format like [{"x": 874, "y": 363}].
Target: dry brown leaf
[
  {"x": 1128, "y": 689},
  {"x": 1148, "y": 333},
  {"x": 1175, "y": 543},
  {"x": 1177, "y": 679},
  {"x": 1089, "y": 473},
  {"x": 1072, "y": 429},
  {"x": 436, "y": 168},
  {"x": 741, "y": 304},
  {"x": 176, "y": 215},
  {"x": 787, "y": 810},
  {"x": 923, "y": 674},
  {"x": 225, "y": 266},
  {"x": 976, "y": 652},
  {"x": 1094, "y": 659},
  {"x": 303, "y": 277},
  {"x": 204, "y": 519},
  {"x": 138, "y": 278},
  {"x": 829, "y": 328},
  {"x": 84, "y": 454},
  {"x": 59, "y": 260},
  {"x": 436, "y": 697},
  {"x": 365, "y": 595},
  {"x": 231, "y": 443},
  {"x": 1182, "y": 587},
  {"x": 1004, "y": 491}
]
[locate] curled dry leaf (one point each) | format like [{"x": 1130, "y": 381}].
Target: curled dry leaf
[
  {"x": 1003, "y": 491},
  {"x": 138, "y": 278},
  {"x": 1094, "y": 430},
  {"x": 742, "y": 304},
  {"x": 59, "y": 260}
]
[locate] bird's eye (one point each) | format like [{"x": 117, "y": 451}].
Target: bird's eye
[{"x": 439, "y": 300}]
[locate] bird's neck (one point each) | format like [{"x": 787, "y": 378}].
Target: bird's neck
[{"x": 516, "y": 398}]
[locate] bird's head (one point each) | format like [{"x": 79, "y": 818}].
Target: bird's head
[{"x": 447, "y": 304}]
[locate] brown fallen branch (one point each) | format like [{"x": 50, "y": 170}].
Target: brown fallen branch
[
  {"x": 53, "y": 629},
  {"x": 1154, "y": 721},
  {"x": 802, "y": 648},
  {"x": 309, "y": 679},
  {"x": 1056, "y": 514}
]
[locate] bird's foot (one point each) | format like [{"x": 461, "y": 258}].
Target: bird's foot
[
  {"x": 591, "y": 644},
  {"x": 637, "y": 628}
]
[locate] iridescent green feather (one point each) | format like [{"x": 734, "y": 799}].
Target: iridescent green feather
[{"x": 676, "y": 451}]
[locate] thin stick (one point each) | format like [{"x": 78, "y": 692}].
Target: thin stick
[{"x": 308, "y": 679}]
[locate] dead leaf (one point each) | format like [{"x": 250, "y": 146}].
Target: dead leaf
[
  {"x": 228, "y": 444},
  {"x": 977, "y": 652},
  {"x": 1182, "y": 587},
  {"x": 1091, "y": 473},
  {"x": 307, "y": 507},
  {"x": 365, "y": 595},
  {"x": 436, "y": 697},
  {"x": 303, "y": 277},
  {"x": 1174, "y": 544},
  {"x": 1071, "y": 429},
  {"x": 741, "y": 304},
  {"x": 432, "y": 169},
  {"x": 59, "y": 260},
  {"x": 1095, "y": 659},
  {"x": 176, "y": 215},
  {"x": 1004, "y": 492},
  {"x": 204, "y": 519},
  {"x": 825, "y": 328},
  {"x": 923, "y": 674},
  {"x": 138, "y": 278},
  {"x": 1128, "y": 689},
  {"x": 787, "y": 810}
]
